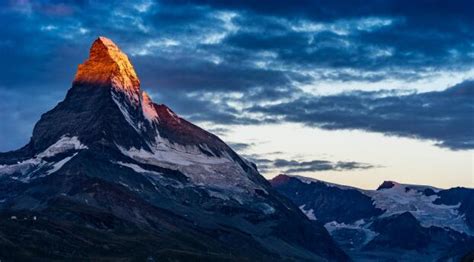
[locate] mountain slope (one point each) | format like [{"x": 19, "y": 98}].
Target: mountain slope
[
  {"x": 108, "y": 174},
  {"x": 420, "y": 222}
]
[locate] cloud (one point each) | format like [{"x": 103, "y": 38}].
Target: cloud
[
  {"x": 395, "y": 35},
  {"x": 444, "y": 116},
  {"x": 240, "y": 146},
  {"x": 295, "y": 166}
]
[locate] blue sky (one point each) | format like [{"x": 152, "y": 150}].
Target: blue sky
[{"x": 381, "y": 71}]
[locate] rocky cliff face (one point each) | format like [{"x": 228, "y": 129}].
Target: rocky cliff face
[{"x": 109, "y": 174}]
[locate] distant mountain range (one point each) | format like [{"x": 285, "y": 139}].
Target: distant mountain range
[
  {"x": 396, "y": 222},
  {"x": 110, "y": 175}
]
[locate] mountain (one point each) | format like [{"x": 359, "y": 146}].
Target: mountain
[
  {"x": 110, "y": 175},
  {"x": 396, "y": 222}
]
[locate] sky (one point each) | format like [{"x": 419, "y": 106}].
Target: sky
[{"x": 352, "y": 92}]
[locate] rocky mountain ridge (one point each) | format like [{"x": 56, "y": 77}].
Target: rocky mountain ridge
[{"x": 396, "y": 221}]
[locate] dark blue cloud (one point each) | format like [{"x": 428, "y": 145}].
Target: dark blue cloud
[
  {"x": 425, "y": 12},
  {"x": 348, "y": 33},
  {"x": 192, "y": 55}
]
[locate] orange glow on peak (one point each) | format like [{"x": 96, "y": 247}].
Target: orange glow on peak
[{"x": 107, "y": 65}]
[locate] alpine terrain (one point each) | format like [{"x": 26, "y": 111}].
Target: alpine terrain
[
  {"x": 396, "y": 222},
  {"x": 110, "y": 175}
]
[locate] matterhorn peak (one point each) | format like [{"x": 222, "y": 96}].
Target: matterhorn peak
[{"x": 107, "y": 65}]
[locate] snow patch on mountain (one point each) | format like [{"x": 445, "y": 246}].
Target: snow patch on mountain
[
  {"x": 64, "y": 144},
  {"x": 309, "y": 213},
  {"x": 266, "y": 208},
  {"x": 30, "y": 169},
  {"x": 401, "y": 198},
  {"x": 218, "y": 194},
  {"x": 124, "y": 108},
  {"x": 137, "y": 168},
  {"x": 25, "y": 169},
  {"x": 360, "y": 226},
  {"x": 22, "y": 167},
  {"x": 203, "y": 170},
  {"x": 56, "y": 166},
  {"x": 166, "y": 152}
]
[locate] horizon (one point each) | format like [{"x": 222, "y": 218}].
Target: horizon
[{"x": 292, "y": 101}]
